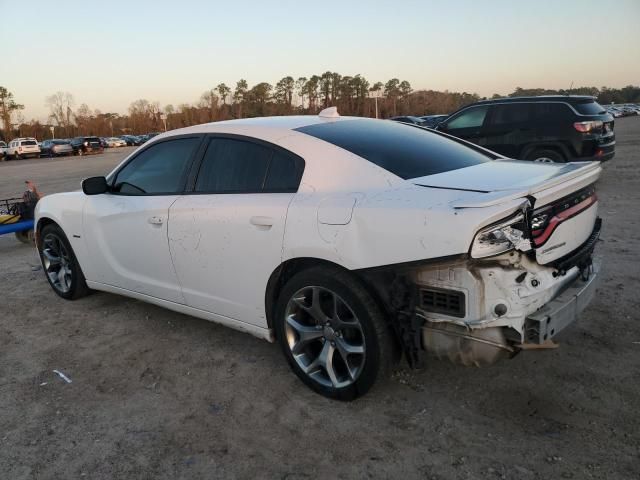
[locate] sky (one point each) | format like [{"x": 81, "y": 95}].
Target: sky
[{"x": 108, "y": 54}]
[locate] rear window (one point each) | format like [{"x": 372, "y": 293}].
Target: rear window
[
  {"x": 28, "y": 142},
  {"x": 404, "y": 150},
  {"x": 59, "y": 142},
  {"x": 589, "y": 107}
]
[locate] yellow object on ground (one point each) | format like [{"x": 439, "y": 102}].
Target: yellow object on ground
[{"x": 6, "y": 219}]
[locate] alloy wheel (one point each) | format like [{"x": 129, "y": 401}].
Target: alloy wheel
[
  {"x": 57, "y": 263},
  {"x": 325, "y": 337}
]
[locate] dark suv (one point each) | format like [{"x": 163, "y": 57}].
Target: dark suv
[
  {"x": 549, "y": 129},
  {"x": 85, "y": 145}
]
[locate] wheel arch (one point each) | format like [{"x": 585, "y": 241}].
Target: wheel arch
[
  {"x": 555, "y": 146},
  {"x": 287, "y": 269},
  {"x": 43, "y": 222}
]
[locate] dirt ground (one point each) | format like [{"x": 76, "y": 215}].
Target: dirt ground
[{"x": 157, "y": 395}]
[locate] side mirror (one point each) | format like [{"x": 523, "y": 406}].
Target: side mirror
[{"x": 95, "y": 186}]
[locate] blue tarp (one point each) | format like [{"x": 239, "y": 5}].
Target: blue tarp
[{"x": 20, "y": 226}]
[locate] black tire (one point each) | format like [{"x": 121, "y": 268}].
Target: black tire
[
  {"x": 77, "y": 285},
  {"x": 26, "y": 236},
  {"x": 378, "y": 343},
  {"x": 547, "y": 156}
]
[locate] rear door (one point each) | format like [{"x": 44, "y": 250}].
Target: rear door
[
  {"x": 226, "y": 236},
  {"x": 508, "y": 128}
]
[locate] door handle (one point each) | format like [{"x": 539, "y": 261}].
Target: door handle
[
  {"x": 156, "y": 220},
  {"x": 260, "y": 221}
]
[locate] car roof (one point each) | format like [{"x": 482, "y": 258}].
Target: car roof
[
  {"x": 571, "y": 99},
  {"x": 271, "y": 127},
  {"x": 290, "y": 122}
]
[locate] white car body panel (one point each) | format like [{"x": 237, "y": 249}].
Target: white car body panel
[
  {"x": 127, "y": 238},
  {"x": 225, "y": 247},
  {"x": 211, "y": 255}
]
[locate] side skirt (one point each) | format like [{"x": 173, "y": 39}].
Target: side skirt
[{"x": 260, "y": 332}]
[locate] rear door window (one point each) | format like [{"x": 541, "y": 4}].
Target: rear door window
[
  {"x": 239, "y": 166},
  {"x": 510, "y": 113},
  {"x": 28, "y": 143}
]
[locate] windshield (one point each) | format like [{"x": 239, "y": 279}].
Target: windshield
[{"x": 404, "y": 150}]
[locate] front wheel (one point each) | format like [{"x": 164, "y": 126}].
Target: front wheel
[
  {"x": 60, "y": 264},
  {"x": 333, "y": 333}
]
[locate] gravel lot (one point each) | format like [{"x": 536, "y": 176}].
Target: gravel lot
[{"x": 156, "y": 394}]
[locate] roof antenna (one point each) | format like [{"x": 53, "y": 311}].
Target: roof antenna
[{"x": 570, "y": 88}]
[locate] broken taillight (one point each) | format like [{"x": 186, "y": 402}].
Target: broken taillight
[{"x": 545, "y": 220}]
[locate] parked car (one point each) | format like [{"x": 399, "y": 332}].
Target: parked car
[
  {"x": 347, "y": 240},
  {"x": 23, "y": 148},
  {"x": 115, "y": 142},
  {"x": 131, "y": 140},
  {"x": 3, "y": 150},
  {"x": 432, "y": 120},
  {"x": 55, "y": 147},
  {"x": 86, "y": 145},
  {"x": 547, "y": 128},
  {"x": 409, "y": 119}
]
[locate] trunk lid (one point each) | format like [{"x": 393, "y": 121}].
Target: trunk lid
[
  {"x": 503, "y": 180},
  {"x": 562, "y": 196}
]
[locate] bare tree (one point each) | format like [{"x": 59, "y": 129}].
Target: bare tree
[{"x": 60, "y": 108}]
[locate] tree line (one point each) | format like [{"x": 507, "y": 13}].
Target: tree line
[{"x": 353, "y": 95}]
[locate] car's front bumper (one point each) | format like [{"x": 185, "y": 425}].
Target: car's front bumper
[{"x": 563, "y": 310}]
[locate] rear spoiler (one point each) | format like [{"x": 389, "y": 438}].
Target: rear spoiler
[{"x": 585, "y": 175}]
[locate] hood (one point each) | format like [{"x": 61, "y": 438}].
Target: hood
[{"x": 500, "y": 181}]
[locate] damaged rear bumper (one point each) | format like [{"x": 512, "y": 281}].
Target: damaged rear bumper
[
  {"x": 563, "y": 310},
  {"x": 484, "y": 343}
]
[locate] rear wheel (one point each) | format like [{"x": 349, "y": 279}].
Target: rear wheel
[
  {"x": 60, "y": 264},
  {"x": 546, "y": 156},
  {"x": 333, "y": 333}
]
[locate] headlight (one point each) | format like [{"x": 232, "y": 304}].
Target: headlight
[{"x": 500, "y": 238}]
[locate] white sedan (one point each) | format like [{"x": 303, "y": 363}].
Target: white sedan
[
  {"x": 115, "y": 142},
  {"x": 349, "y": 241}
]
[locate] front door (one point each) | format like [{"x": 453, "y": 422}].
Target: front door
[
  {"x": 126, "y": 230},
  {"x": 226, "y": 237}
]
